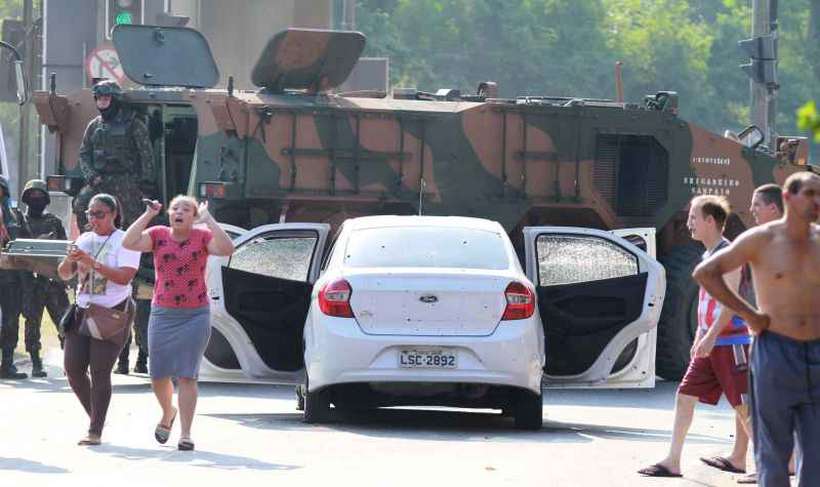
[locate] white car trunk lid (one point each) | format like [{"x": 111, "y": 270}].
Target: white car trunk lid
[{"x": 434, "y": 303}]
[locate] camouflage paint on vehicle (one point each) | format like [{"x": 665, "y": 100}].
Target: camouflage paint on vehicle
[{"x": 295, "y": 151}]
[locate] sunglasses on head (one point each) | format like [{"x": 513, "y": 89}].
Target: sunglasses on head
[{"x": 99, "y": 214}]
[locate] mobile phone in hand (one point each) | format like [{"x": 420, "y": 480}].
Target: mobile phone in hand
[{"x": 154, "y": 206}]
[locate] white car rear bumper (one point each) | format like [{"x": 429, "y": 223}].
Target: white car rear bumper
[{"x": 337, "y": 352}]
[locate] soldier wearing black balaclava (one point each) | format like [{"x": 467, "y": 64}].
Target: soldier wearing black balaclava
[
  {"x": 116, "y": 158},
  {"x": 39, "y": 292},
  {"x": 10, "y": 282}
]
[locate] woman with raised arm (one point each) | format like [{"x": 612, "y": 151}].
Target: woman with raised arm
[
  {"x": 180, "y": 322},
  {"x": 105, "y": 270}
]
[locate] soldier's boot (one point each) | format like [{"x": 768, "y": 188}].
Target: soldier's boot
[
  {"x": 122, "y": 367},
  {"x": 37, "y": 365},
  {"x": 142, "y": 363},
  {"x": 7, "y": 369}
]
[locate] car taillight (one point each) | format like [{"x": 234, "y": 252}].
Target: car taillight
[
  {"x": 334, "y": 299},
  {"x": 520, "y": 302}
]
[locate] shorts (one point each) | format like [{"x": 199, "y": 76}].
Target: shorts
[{"x": 724, "y": 371}]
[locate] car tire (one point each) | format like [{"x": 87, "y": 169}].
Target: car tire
[
  {"x": 317, "y": 406},
  {"x": 676, "y": 327},
  {"x": 528, "y": 411}
]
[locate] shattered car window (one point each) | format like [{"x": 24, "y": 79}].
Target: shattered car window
[
  {"x": 567, "y": 259},
  {"x": 283, "y": 258}
]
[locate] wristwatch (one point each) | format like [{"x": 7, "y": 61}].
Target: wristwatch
[{"x": 97, "y": 265}]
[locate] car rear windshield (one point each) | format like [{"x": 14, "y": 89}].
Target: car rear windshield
[{"x": 426, "y": 247}]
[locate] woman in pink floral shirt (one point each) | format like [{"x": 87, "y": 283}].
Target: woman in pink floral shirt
[{"x": 180, "y": 323}]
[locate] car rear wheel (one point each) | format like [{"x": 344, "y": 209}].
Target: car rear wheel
[
  {"x": 527, "y": 411},
  {"x": 317, "y": 406}
]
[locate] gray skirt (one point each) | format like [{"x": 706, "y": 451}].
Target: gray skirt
[{"x": 177, "y": 338}]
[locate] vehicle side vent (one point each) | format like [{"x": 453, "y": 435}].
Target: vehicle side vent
[
  {"x": 606, "y": 162},
  {"x": 631, "y": 173}
]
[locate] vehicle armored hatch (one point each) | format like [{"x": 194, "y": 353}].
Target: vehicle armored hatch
[
  {"x": 307, "y": 59},
  {"x": 165, "y": 56}
]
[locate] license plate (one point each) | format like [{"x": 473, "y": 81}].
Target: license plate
[{"x": 436, "y": 358}]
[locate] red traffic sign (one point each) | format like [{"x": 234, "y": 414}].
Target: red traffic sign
[{"x": 103, "y": 62}]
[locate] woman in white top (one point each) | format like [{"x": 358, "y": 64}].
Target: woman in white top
[{"x": 105, "y": 270}]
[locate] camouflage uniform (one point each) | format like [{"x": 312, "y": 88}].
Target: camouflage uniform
[
  {"x": 116, "y": 153},
  {"x": 40, "y": 292},
  {"x": 10, "y": 284},
  {"x": 115, "y": 158}
]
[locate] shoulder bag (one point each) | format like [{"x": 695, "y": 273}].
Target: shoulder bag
[
  {"x": 106, "y": 323},
  {"x": 69, "y": 318}
]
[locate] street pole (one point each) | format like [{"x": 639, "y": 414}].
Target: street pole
[
  {"x": 348, "y": 14},
  {"x": 24, "y": 166},
  {"x": 763, "y": 96}
]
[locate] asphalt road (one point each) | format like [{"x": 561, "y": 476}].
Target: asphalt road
[{"x": 252, "y": 435}]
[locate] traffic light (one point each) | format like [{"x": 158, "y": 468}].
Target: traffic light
[
  {"x": 763, "y": 53},
  {"x": 122, "y": 12}
]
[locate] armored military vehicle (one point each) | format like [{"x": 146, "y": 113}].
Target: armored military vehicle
[{"x": 297, "y": 149}]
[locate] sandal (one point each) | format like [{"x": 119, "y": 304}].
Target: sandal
[
  {"x": 90, "y": 440},
  {"x": 185, "y": 444},
  {"x": 657, "y": 470},
  {"x": 722, "y": 463},
  {"x": 162, "y": 432}
]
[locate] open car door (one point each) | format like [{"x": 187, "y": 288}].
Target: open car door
[
  {"x": 259, "y": 301},
  {"x": 599, "y": 297},
  {"x": 635, "y": 366}
]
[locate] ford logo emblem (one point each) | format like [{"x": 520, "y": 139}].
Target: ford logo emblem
[{"x": 428, "y": 299}]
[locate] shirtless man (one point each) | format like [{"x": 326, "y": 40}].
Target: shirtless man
[
  {"x": 767, "y": 206},
  {"x": 785, "y": 259}
]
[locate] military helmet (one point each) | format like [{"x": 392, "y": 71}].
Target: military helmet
[
  {"x": 33, "y": 185},
  {"x": 107, "y": 87},
  {"x": 4, "y": 186}
]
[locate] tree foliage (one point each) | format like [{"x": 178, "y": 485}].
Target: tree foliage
[
  {"x": 569, "y": 47},
  {"x": 809, "y": 119}
]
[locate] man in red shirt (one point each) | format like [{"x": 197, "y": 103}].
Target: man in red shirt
[{"x": 719, "y": 363}]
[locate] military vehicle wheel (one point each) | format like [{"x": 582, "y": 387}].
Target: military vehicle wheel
[
  {"x": 317, "y": 406},
  {"x": 528, "y": 410},
  {"x": 676, "y": 329}
]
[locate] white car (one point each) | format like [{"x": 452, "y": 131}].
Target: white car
[{"x": 409, "y": 310}]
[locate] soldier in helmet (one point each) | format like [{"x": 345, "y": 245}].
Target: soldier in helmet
[
  {"x": 9, "y": 290},
  {"x": 40, "y": 292},
  {"x": 116, "y": 158}
]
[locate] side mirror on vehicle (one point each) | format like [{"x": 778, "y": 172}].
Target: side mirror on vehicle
[
  {"x": 22, "y": 87},
  {"x": 751, "y": 136},
  {"x": 22, "y": 92}
]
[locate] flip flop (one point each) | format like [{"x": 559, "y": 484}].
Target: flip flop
[
  {"x": 657, "y": 470},
  {"x": 89, "y": 441},
  {"x": 185, "y": 444},
  {"x": 162, "y": 432},
  {"x": 752, "y": 478},
  {"x": 748, "y": 479},
  {"x": 721, "y": 463}
]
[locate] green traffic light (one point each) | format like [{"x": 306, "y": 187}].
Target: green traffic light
[{"x": 124, "y": 18}]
